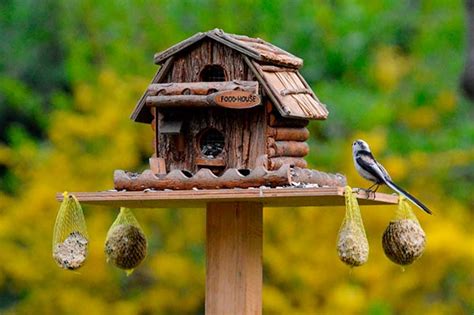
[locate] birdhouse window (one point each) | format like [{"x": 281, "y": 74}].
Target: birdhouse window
[
  {"x": 211, "y": 143},
  {"x": 213, "y": 73}
]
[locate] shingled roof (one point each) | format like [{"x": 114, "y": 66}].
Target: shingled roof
[
  {"x": 275, "y": 69},
  {"x": 254, "y": 48}
]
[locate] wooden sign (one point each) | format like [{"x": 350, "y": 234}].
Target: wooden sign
[{"x": 236, "y": 99}]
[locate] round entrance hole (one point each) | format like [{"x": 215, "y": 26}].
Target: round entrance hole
[
  {"x": 213, "y": 73},
  {"x": 211, "y": 143}
]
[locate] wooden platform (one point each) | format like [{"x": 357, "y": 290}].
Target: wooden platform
[{"x": 269, "y": 197}]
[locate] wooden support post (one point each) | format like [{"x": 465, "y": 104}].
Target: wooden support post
[{"x": 234, "y": 258}]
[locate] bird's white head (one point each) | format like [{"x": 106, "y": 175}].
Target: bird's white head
[{"x": 360, "y": 145}]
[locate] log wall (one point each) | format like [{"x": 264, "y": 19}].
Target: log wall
[{"x": 285, "y": 139}]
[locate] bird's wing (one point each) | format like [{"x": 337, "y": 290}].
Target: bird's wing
[
  {"x": 376, "y": 166},
  {"x": 384, "y": 171},
  {"x": 367, "y": 162}
]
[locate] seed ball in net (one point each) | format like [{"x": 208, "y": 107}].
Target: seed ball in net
[
  {"x": 352, "y": 245},
  {"x": 71, "y": 253},
  {"x": 125, "y": 246},
  {"x": 403, "y": 241}
]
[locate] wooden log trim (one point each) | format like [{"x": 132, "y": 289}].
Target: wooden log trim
[
  {"x": 308, "y": 176},
  {"x": 173, "y": 101},
  {"x": 203, "y": 179},
  {"x": 268, "y": 68},
  {"x": 286, "y": 175},
  {"x": 286, "y": 92},
  {"x": 201, "y": 88},
  {"x": 245, "y": 38},
  {"x": 277, "y": 162},
  {"x": 170, "y": 101},
  {"x": 287, "y": 148},
  {"x": 288, "y": 134}
]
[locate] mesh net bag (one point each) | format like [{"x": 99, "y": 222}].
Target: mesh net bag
[
  {"x": 126, "y": 244},
  {"x": 352, "y": 244},
  {"x": 404, "y": 240},
  {"x": 404, "y": 210},
  {"x": 70, "y": 237}
]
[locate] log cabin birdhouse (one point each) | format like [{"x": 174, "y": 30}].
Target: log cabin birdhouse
[{"x": 227, "y": 111}]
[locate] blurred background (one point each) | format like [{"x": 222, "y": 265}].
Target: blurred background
[{"x": 72, "y": 71}]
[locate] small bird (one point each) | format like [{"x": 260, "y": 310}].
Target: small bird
[{"x": 370, "y": 169}]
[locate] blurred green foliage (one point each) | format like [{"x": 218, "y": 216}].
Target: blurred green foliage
[{"x": 71, "y": 72}]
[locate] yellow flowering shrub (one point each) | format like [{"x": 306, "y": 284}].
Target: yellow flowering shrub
[{"x": 301, "y": 269}]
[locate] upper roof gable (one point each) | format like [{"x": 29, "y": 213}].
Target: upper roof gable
[
  {"x": 275, "y": 69},
  {"x": 254, "y": 48}
]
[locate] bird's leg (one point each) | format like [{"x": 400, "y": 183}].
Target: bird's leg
[
  {"x": 369, "y": 190},
  {"x": 378, "y": 185}
]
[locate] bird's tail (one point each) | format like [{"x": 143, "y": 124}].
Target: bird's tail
[{"x": 407, "y": 195}]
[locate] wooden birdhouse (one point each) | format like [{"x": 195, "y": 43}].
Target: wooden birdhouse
[{"x": 227, "y": 111}]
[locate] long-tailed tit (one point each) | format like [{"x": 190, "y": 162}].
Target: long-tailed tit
[{"x": 370, "y": 169}]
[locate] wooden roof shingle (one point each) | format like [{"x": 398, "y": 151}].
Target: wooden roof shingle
[{"x": 289, "y": 92}]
